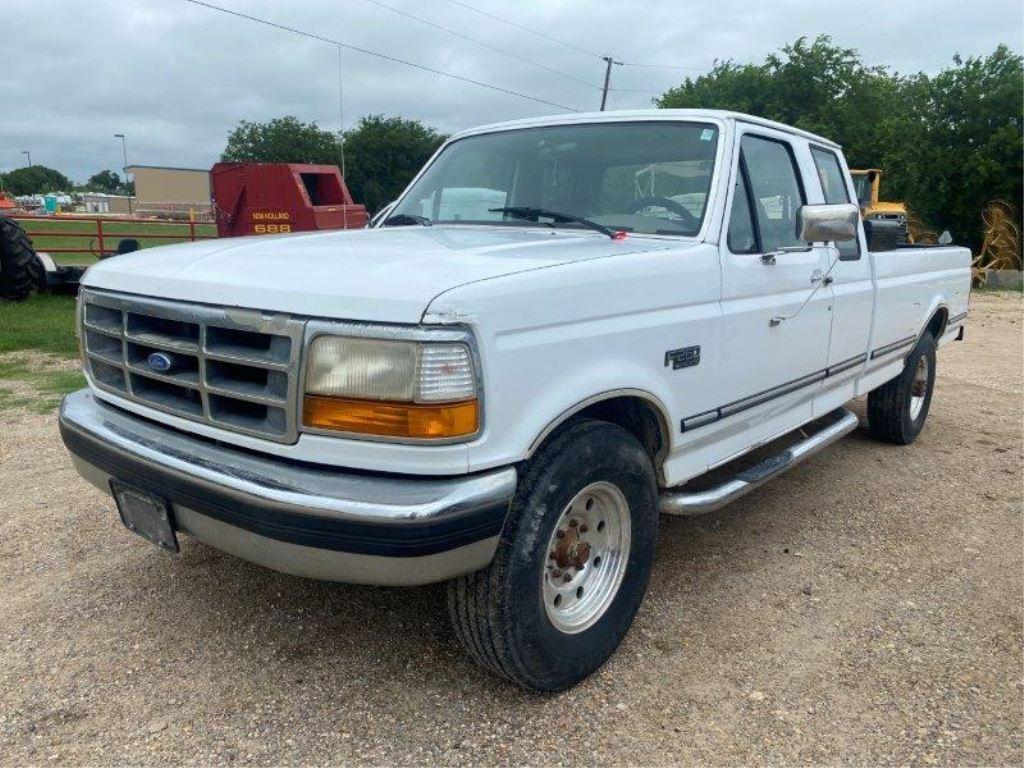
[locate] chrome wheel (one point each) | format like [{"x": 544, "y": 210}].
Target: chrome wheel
[
  {"x": 919, "y": 387},
  {"x": 587, "y": 557}
]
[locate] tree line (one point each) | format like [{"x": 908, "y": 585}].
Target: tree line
[{"x": 41, "y": 180}]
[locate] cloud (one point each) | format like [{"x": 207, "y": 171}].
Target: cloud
[{"x": 176, "y": 78}]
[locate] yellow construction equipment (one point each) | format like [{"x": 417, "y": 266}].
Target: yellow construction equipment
[{"x": 866, "y": 184}]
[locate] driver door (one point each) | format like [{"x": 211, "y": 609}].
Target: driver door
[{"x": 775, "y": 326}]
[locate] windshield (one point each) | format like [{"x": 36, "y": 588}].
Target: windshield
[{"x": 644, "y": 177}]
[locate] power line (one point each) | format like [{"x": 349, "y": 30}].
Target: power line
[
  {"x": 384, "y": 56},
  {"x": 573, "y": 46},
  {"x": 481, "y": 43},
  {"x": 525, "y": 28}
]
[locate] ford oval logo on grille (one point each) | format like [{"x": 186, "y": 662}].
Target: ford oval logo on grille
[{"x": 160, "y": 362}]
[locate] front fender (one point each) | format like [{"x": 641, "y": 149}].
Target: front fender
[{"x": 578, "y": 389}]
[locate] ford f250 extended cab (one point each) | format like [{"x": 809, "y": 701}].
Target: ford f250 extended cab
[{"x": 561, "y": 329}]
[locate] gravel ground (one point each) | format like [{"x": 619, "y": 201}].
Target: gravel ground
[{"x": 864, "y": 608}]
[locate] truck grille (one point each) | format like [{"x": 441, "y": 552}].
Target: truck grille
[{"x": 230, "y": 368}]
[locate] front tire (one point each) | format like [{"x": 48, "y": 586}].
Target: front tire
[
  {"x": 898, "y": 409},
  {"x": 572, "y": 565}
]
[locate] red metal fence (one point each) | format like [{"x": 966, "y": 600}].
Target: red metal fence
[{"x": 101, "y": 237}]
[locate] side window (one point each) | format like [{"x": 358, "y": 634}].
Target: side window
[
  {"x": 833, "y": 185},
  {"x": 742, "y": 235},
  {"x": 775, "y": 191}
]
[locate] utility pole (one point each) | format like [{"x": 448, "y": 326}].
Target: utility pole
[
  {"x": 124, "y": 151},
  {"x": 607, "y": 78},
  {"x": 27, "y": 154}
]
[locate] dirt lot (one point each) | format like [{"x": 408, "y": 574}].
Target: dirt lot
[{"x": 866, "y": 608}]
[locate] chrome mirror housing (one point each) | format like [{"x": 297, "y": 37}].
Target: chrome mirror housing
[{"x": 827, "y": 223}]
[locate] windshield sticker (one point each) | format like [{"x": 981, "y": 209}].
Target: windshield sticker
[{"x": 707, "y": 134}]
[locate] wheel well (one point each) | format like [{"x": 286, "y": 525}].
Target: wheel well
[
  {"x": 937, "y": 325},
  {"x": 637, "y": 416}
]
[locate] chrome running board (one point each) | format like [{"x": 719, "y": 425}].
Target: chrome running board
[{"x": 698, "y": 502}]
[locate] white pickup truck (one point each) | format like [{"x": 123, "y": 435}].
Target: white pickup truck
[{"x": 551, "y": 336}]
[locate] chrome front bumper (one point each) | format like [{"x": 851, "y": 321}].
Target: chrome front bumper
[{"x": 307, "y": 520}]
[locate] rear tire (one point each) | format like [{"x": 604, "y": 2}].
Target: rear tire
[
  {"x": 572, "y": 565},
  {"x": 898, "y": 409},
  {"x": 21, "y": 272}
]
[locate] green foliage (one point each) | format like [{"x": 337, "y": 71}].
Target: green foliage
[
  {"x": 42, "y": 324},
  {"x": 383, "y": 154},
  {"x": 105, "y": 181},
  {"x": 37, "y": 179},
  {"x": 282, "y": 140},
  {"x": 947, "y": 144},
  {"x": 970, "y": 128},
  {"x": 45, "y": 323}
]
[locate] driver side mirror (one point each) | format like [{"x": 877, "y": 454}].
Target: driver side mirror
[{"x": 827, "y": 223}]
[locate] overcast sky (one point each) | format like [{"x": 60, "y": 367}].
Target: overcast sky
[{"x": 176, "y": 77}]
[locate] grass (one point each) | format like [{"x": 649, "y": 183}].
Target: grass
[
  {"x": 44, "y": 323},
  {"x": 41, "y": 324},
  {"x": 113, "y": 231},
  {"x": 47, "y": 386}
]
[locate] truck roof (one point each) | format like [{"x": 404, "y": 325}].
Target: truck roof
[{"x": 643, "y": 114}]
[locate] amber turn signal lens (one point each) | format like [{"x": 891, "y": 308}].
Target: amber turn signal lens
[{"x": 369, "y": 417}]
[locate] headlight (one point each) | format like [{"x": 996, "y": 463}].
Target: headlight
[{"x": 424, "y": 390}]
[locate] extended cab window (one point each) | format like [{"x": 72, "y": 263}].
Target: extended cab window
[
  {"x": 833, "y": 186},
  {"x": 774, "y": 190},
  {"x": 649, "y": 177}
]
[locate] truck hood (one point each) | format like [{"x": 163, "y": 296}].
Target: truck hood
[{"x": 376, "y": 275}]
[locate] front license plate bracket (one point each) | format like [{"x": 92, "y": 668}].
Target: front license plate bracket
[{"x": 146, "y": 514}]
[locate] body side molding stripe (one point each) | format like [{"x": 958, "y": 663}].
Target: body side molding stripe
[
  {"x": 846, "y": 365},
  {"x": 770, "y": 394},
  {"x": 888, "y": 349},
  {"x": 730, "y": 409}
]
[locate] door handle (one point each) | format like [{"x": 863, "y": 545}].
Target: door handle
[{"x": 817, "y": 276}]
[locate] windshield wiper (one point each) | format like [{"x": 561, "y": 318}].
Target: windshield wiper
[
  {"x": 405, "y": 219},
  {"x": 534, "y": 214}
]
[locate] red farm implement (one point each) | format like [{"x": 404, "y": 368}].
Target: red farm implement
[{"x": 271, "y": 198}]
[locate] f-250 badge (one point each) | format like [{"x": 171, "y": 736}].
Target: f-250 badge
[{"x": 683, "y": 357}]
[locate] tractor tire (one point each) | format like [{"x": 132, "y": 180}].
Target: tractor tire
[{"x": 21, "y": 271}]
